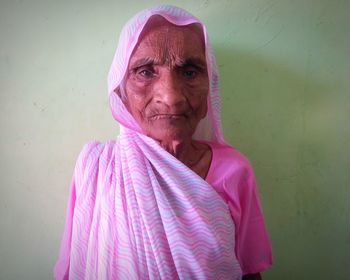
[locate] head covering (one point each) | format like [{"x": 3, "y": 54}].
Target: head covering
[
  {"x": 210, "y": 127},
  {"x": 139, "y": 213}
]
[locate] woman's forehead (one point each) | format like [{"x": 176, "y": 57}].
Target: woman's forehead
[{"x": 164, "y": 41}]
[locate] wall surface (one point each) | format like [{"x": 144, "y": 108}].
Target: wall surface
[{"x": 284, "y": 69}]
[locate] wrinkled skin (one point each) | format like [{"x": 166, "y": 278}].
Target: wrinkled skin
[
  {"x": 167, "y": 87},
  {"x": 168, "y": 83}
]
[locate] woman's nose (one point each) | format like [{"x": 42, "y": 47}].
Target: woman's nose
[{"x": 170, "y": 90}]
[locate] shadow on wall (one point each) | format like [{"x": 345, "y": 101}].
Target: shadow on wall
[{"x": 282, "y": 121}]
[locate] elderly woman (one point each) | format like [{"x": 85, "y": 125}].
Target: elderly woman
[{"x": 169, "y": 199}]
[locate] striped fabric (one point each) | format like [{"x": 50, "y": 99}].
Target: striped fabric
[{"x": 135, "y": 211}]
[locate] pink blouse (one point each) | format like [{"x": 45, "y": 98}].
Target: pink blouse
[{"x": 231, "y": 175}]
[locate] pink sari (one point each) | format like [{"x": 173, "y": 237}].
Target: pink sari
[{"x": 135, "y": 211}]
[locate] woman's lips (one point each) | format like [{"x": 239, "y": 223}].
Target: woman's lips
[{"x": 168, "y": 116}]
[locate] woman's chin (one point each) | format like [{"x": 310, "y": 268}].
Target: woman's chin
[{"x": 170, "y": 134}]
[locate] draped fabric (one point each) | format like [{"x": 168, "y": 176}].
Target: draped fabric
[{"x": 136, "y": 212}]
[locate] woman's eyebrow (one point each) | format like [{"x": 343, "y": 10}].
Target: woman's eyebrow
[
  {"x": 143, "y": 62},
  {"x": 193, "y": 61},
  {"x": 190, "y": 61}
]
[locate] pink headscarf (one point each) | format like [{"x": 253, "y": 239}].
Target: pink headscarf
[
  {"x": 135, "y": 211},
  {"x": 210, "y": 127}
]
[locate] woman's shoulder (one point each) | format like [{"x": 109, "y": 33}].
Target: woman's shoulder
[
  {"x": 93, "y": 154},
  {"x": 95, "y": 149},
  {"x": 228, "y": 156},
  {"x": 228, "y": 165}
]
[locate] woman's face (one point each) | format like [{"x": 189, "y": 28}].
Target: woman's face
[{"x": 167, "y": 81}]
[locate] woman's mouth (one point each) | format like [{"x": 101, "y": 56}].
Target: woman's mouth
[{"x": 168, "y": 117}]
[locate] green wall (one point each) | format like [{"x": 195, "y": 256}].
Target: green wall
[
  {"x": 284, "y": 69},
  {"x": 285, "y": 75}
]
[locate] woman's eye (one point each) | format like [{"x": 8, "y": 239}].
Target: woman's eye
[
  {"x": 146, "y": 73},
  {"x": 190, "y": 73}
]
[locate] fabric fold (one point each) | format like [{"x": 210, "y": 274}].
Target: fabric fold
[{"x": 146, "y": 224}]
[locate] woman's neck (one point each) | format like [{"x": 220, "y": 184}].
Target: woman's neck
[
  {"x": 179, "y": 149},
  {"x": 194, "y": 155}
]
